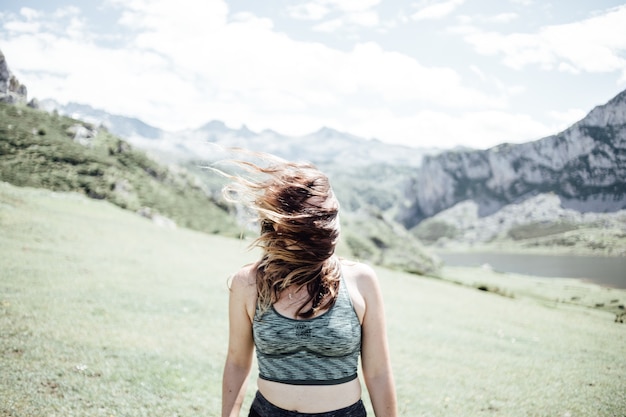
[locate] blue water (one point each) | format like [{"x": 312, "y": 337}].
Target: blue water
[{"x": 607, "y": 271}]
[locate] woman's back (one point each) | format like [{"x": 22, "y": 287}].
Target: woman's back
[{"x": 309, "y": 315}]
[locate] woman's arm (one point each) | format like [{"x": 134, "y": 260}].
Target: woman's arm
[
  {"x": 240, "y": 343},
  {"x": 375, "y": 358}
]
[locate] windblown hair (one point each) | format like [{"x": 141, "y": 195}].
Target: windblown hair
[{"x": 299, "y": 227}]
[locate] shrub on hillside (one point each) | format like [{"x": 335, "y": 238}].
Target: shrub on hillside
[
  {"x": 431, "y": 230},
  {"x": 540, "y": 229}
]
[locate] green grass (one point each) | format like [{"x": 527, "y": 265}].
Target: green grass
[
  {"x": 37, "y": 149},
  {"x": 103, "y": 313},
  {"x": 431, "y": 230}
]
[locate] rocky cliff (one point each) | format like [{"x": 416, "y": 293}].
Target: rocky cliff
[
  {"x": 11, "y": 90},
  {"x": 585, "y": 166}
]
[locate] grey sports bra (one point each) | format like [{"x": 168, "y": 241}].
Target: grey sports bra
[{"x": 323, "y": 350}]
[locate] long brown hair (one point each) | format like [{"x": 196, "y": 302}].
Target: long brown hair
[{"x": 298, "y": 219}]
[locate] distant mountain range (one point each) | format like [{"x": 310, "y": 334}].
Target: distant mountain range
[
  {"x": 325, "y": 146},
  {"x": 163, "y": 176},
  {"x": 583, "y": 167}
]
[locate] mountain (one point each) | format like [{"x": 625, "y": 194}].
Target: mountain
[
  {"x": 122, "y": 126},
  {"x": 537, "y": 190},
  {"x": 584, "y": 166},
  {"x": 465, "y": 196},
  {"x": 47, "y": 149},
  {"x": 11, "y": 90},
  {"x": 43, "y": 150},
  {"x": 324, "y": 147}
]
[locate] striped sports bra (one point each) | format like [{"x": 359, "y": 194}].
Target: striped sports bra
[{"x": 323, "y": 350}]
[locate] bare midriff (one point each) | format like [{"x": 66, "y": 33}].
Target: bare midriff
[{"x": 310, "y": 398}]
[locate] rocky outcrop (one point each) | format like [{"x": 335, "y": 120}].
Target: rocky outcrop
[
  {"x": 11, "y": 91},
  {"x": 82, "y": 134},
  {"x": 585, "y": 166}
]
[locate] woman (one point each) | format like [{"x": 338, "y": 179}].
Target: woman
[{"x": 306, "y": 313}]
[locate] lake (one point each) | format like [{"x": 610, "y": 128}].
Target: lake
[{"x": 608, "y": 271}]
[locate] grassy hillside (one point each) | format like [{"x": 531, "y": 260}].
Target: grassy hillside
[
  {"x": 38, "y": 149},
  {"x": 49, "y": 151},
  {"x": 104, "y": 313}
]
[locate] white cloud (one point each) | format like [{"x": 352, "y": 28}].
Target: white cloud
[
  {"x": 329, "y": 26},
  {"x": 478, "y": 72},
  {"x": 186, "y": 17},
  {"x": 481, "y": 129},
  {"x": 182, "y": 66},
  {"x": 436, "y": 10},
  {"x": 365, "y": 18},
  {"x": 65, "y": 21},
  {"x": 561, "y": 120},
  {"x": 522, "y": 2},
  {"x": 29, "y": 13},
  {"x": 349, "y": 22},
  {"x": 318, "y": 9},
  {"x": 308, "y": 11},
  {"x": 22, "y": 27},
  {"x": 348, "y": 13},
  {"x": 591, "y": 45},
  {"x": 64, "y": 12},
  {"x": 492, "y": 81},
  {"x": 565, "y": 67},
  {"x": 400, "y": 78},
  {"x": 502, "y": 18},
  {"x": 353, "y": 5}
]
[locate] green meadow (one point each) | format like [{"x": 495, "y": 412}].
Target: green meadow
[{"x": 105, "y": 313}]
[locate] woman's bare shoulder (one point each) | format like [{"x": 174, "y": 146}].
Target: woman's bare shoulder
[
  {"x": 357, "y": 269},
  {"x": 245, "y": 278},
  {"x": 358, "y": 273}
]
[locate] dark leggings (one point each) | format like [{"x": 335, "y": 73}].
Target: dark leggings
[{"x": 262, "y": 408}]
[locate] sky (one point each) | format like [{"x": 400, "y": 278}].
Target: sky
[{"x": 424, "y": 73}]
